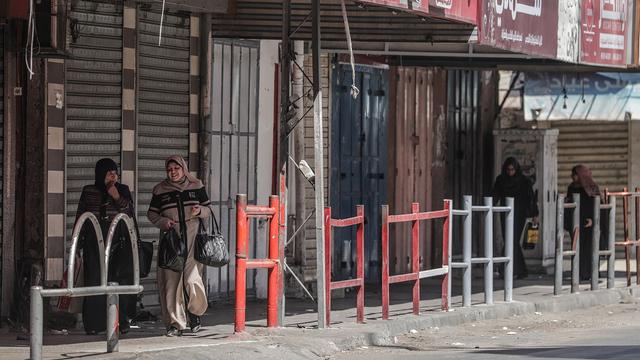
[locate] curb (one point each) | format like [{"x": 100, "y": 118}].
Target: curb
[{"x": 312, "y": 343}]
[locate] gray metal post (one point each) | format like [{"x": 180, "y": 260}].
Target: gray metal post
[
  {"x": 488, "y": 251},
  {"x": 611, "y": 238},
  {"x": 508, "y": 251},
  {"x": 36, "y": 323},
  {"x": 318, "y": 163},
  {"x": 557, "y": 284},
  {"x": 595, "y": 244},
  {"x": 466, "y": 250},
  {"x": 575, "y": 259},
  {"x": 112, "y": 321}
]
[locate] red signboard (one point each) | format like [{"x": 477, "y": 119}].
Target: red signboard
[
  {"x": 461, "y": 10},
  {"x": 401, "y": 4},
  {"x": 523, "y": 26},
  {"x": 603, "y": 29}
]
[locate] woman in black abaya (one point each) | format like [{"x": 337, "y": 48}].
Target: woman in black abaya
[{"x": 512, "y": 183}]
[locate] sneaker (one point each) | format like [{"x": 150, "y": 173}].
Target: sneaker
[
  {"x": 194, "y": 323},
  {"x": 173, "y": 331}
]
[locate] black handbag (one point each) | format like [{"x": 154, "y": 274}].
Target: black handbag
[
  {"x": 211, "y": 249},
  {"x": 171, "y": 251}
]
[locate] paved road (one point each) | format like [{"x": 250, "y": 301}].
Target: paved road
[{"x": 611, "y": 332}]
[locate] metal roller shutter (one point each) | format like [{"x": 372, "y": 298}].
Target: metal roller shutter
[
  {"x": 1, "y": 137},
  {"x": 603, "y": 146},
  {"x": 93, "y": 95},
  {"x": 163, "y": 111}
]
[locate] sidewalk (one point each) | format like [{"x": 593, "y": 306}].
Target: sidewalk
[{"x": 300, "y": 339}]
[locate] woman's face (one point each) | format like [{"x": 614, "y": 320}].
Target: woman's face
[
  {"x": 111, "y": 177},
  {"x": 511, "y": 171},
  {"x": 574, "y": 177},
  {"x": 175, "y": 172}
]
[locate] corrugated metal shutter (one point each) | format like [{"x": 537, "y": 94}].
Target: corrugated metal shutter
[
  {"x": 93, "y": 95},
  {"x": 163, "y": 111},
  {"x": 234, "y": 149},
  {"x": 1, "y": 139},
  {"x": 603, "y": 146}
]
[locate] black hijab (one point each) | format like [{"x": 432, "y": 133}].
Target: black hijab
[
  {"x": 103, "y": 166},
  {"x": 510, "y": 184}
]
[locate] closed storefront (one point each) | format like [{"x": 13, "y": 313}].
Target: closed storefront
[
  {"x": 163, "y": 84},
  {"x": 93, "y": 95},
  {"x": 1, "y": 140}
]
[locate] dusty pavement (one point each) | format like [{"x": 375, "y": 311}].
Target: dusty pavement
[{"x": 602, "y": 332}]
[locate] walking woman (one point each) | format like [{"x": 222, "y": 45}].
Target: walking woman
[
  {"x": 512, "y": 183},
  {"x": 584, "y": 185},
  {"x": 106, "y": 198},
  {"x": 182, "y": 294}
]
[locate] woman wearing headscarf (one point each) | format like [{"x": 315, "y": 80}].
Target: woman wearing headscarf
[
  {"x": 105, "y": 198},
  {"x": 182, "y": 294},
  {"x": 512, "y": 183},
  {"x": 583, "y": 184}
]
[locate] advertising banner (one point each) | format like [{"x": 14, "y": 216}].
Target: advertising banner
[
  {"x": 604, "y": 32},
  {"x": 523, "y": 26},
  {"x": 577, "y": 96},
  {"x": 460, "y": 10},
  {"x": 399, "y": 4}
]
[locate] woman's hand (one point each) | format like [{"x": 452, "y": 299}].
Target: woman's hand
[
  {"x": 195, "y": 210},
  {"x": 589, "y": 223},
  {"x": 168, "y": 224},
  {"x": 112, "y": 190}
]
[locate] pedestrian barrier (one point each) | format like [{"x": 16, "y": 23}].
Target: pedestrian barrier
[
  {"x": 112, "y": 290},
  {"x": 627, "y": 243},
  {"x": 243, "y": 213},
  {"x": 415, "y": 275},
  {"x": 358, "y": 282},
  {"x": 610, "y": 251},
  {"x": 488, "y": 260},
  {"x": 574, "y": 253}
]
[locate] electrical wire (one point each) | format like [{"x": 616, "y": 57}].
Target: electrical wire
[
  {"x": 28, "y": 48},
  {"x": 161, "y": 21},
  {"x": 354, "y": 89}
]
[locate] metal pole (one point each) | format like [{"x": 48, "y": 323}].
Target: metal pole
[
  {"x": 557, "y": 284},
  {"x": 327, "y": 260},
  {"x": 241, "y": 261},
  {"x": 415, "y": 258},
  {"x": 611, "y": 246},
  {"x": 575, "y": 245},
  {"x": 36, "y": 323},
  {"x": 360, "y": 265},
  {"x": 488, "y": 251},
  {"x": 274, "y": 290},
  {"x": 508, "y": 249},
  {"x": 627, "y": 248},
  {"x": 113, "y": 322},
  {"x": 448, "y": 227},
  {"x": 318, "y": 163},
  {"x": 595, "y": 243},
  {"x": 466, "y": 251},
  {"x": 384, "y": 234}
]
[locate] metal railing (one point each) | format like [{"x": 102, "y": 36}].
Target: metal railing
[
  {"x": 415, "y": 275},
  {"x": 112, "y": 290},
  {"x": 272, "y": 263},
  {"x": 574, "y": 253},
  {"x": 627, "y": 243},
  {"x": 610, "y": 251},
  {"x": 488, "y": 259},
  {"x": 358, "y": 282}
]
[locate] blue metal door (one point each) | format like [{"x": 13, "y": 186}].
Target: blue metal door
[{"x": 358, "y": 163}]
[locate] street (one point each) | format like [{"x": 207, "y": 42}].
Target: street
[{"x": 604, "y": 332}]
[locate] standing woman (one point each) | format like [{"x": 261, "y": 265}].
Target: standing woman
[
  {"x": 512, "y": 183},
  {"x": 584, "y": 185},
  {"x": 182, "y": 294},
  {"x": 105, "y": 198}
]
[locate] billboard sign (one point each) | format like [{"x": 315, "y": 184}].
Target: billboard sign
[
  {"x": 576, "y": 96},
  {"x": 460, "y": 10},
  {"x": 603, "y": 28},
  {"x": 523, "y": 26}
]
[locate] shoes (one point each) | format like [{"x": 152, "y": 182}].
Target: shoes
[
  {"x": 194, "y": 323},
  {"x": 173, "y": 331},
  {"x": 91, "y": 332}
]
